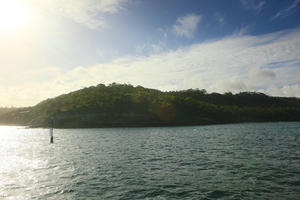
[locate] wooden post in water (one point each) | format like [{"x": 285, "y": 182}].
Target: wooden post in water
[{"x": 51, "y": 129}]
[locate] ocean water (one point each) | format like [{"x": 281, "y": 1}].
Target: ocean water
[{"x": 236, "y": 161}]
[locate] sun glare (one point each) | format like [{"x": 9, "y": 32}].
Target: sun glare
[{"x": 13, "y": 14}]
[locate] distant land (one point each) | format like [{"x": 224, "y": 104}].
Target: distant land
[{"x": 123, "y": 105}]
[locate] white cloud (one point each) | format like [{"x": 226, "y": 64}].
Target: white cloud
[
  {"x": 278, "y": 14},
  {"x": 100, "y": 53},
  {"x": 267, "y": 63},
  {"x": 219, "y": 17},
  {"x": 261, "y": 73},
  {"x": 241, "y": 31},
  {"x": 148, "y": 48},
  {"x": 89, "y": 13},
  {"x": 234, "y": 84},
  {"x": 288, "y": 90},
  {"x": 260, "y": 78},
  {"x": 186, "y": 26},
  {"x": 154, "y": 48},
  {"x": 287, "y": 11},
  {"x": 294, "y": 4},
  {"x": 253, "y": 4}
]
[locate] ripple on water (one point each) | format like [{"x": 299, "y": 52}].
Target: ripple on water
[{"x": 238, "y": 161}]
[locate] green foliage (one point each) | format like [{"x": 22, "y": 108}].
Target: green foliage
[{"x": 118, "y": 105}]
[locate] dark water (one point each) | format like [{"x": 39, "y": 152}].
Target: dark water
[{"x": 240, "y": 161}]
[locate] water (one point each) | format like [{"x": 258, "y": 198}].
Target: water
[{"x": 238, "y": 161}]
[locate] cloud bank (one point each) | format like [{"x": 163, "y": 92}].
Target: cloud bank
[{"x": 267, "y": 63}]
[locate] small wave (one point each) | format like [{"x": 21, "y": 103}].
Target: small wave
[
  {"x": 295, "y": 183},
  {"x": 218, "y": 194}
]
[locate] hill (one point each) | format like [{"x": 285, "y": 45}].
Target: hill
[{"x": 122, "y": 105}]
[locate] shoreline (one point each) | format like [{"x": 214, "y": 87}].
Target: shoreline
[{"x": 145, "y": 126}]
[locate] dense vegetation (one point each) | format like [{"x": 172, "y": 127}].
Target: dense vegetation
[
  {"x": 4, "y": 110},
  {"x": 119, "y": 105}
]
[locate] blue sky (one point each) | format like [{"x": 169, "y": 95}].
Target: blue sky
[
  {"x": 140, "y": 24},
  {"x": 217, "y": 45}
]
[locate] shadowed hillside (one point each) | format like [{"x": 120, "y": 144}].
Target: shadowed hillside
[{"x": 122, "y": 105}]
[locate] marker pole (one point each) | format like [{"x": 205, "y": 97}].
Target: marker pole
[{"x": 51, "y": 129}]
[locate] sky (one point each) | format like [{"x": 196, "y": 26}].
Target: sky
[{"x": 52, "y": 47}]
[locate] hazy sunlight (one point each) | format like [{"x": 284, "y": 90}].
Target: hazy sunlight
[{"x": 13, "y": 15}]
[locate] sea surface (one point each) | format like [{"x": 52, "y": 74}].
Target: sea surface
[{"x": 236, "y": 161}]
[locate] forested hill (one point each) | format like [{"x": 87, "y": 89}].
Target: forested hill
[{"x": 122, "y": 105}]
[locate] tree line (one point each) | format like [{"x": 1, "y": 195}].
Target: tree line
[{"x": 123, "y": 105}]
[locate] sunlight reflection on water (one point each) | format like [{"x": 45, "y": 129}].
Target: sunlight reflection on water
[{"x": 237, "y": 161}]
